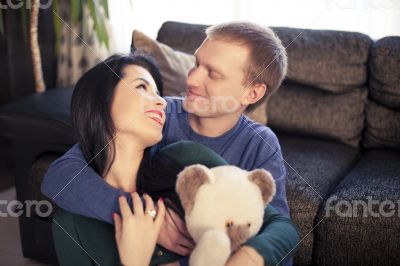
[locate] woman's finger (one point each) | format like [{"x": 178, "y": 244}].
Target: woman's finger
[
  {"x": 137, "y": 204},
  {"x": 160, "y": 214},
  {"x": 118, "y": 226},
  {"x": 124, "y": 206},
  {"x": 149, "y": 205}
]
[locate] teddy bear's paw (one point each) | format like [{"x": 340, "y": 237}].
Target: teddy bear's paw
[{"x": 213, "y": 248}]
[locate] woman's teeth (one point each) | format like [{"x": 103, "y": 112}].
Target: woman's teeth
[{"x": 154, "y": 115}]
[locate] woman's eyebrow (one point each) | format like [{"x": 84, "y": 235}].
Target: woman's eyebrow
[
  {"x": 142, "y": 79},
  {"x": 147, "y": 82}
]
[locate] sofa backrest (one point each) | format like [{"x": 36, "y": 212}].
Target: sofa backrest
[
  {"x": 383, "y": 108},
  {"x": 325, "y": 93}
]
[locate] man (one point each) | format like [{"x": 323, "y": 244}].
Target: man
[{"x": 238, "y": 66}]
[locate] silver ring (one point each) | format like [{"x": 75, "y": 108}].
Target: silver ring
[{"x": 152, "y": 213}]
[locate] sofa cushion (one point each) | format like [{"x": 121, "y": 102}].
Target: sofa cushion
[
  {"x": 354, "y": 231},
  {"x": 385, "y": 71},
  {"x": 180, "y": 36},
  {"x": 314, "y": 168},
  {"x": 334, "y": 61},
  {"x": 174, "y": 65},
  {"x": 383, "y": 127},
  {"x": 308, "y": 111}
]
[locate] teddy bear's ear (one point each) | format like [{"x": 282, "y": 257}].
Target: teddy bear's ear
[
  {"x": 188, "y": 183},
  {"x": 265, "y": 182}
]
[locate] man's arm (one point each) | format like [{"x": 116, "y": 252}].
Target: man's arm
[
  {"x": 278, "y": 235},
  {"x": 77, "y": 188},
  {"x": 278, "y": 238}
]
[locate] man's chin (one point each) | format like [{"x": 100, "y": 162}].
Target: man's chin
[{"x": 193, "y": 107}]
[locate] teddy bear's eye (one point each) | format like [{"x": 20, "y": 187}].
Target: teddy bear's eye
[
  {"x": 248, "y": 224},
  {"x": 229, "y": 224}
]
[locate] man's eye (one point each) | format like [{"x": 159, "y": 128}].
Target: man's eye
[{"x": 212, "y": 75}]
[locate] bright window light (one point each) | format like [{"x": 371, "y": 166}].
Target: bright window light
[{"x": 376, "y": 18}]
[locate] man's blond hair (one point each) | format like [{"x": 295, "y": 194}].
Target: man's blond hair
[{"x": 267, "y": 60}]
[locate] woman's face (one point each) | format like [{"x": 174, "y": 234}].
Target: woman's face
[{"x": 137, "y": 110}]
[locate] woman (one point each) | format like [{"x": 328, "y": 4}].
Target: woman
[{"x": 117, "y": 114}]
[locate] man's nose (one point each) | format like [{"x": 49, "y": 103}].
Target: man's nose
[{"x": 194, "y": 77}]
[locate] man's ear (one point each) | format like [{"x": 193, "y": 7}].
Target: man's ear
[
  {"x": 254, "y": 94},
  {"x": 188, "y": 183},
  {"x": 263, "y": 179}
]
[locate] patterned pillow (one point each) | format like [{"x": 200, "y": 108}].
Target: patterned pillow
[{"x": 174, "y": 65}]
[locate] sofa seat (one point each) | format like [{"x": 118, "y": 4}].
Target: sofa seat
[
  {"x": 355, "y": 230},
  {"x": 314, "y": 167}
]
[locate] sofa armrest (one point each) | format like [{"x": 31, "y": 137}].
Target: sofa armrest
[{"x": 39, "y": 118}]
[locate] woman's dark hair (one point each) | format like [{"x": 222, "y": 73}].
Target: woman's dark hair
[{"x": 91, "y": 107}]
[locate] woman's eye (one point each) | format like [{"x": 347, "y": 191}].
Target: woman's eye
[{"x": 141, "y": 86}]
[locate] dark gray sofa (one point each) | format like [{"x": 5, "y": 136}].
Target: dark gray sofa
[{"x": 337, "y": 116}]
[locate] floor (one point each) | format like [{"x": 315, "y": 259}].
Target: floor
[{"x": 10, "y": 248}]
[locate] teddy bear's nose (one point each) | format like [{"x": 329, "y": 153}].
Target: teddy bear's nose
[{"x": 238, "y": 234}]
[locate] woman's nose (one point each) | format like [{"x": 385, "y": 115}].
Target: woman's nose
[{"x": 160, "y": 102}]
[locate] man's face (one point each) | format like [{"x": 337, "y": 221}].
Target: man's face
[{"x": 215, "y": 84}]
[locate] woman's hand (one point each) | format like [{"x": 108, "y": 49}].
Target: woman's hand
[{"x": 136, "y": 233}]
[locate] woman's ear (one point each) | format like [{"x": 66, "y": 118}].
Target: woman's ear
[{"x": 254, "y": 93}]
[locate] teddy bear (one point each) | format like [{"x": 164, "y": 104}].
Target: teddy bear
[{"x": 224, "y": 206}]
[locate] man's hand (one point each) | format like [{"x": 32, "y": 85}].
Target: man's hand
[
  {"x": 174, "y": 235},
  {"x": 245, "y": 256}
]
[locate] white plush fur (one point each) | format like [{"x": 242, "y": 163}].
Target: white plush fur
[{"x": 228, "y": 196}]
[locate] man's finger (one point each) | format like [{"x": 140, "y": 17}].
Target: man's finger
[
  {"x": 181, "y": 250},
  {"x": 179, "y": 223},
  {"x": 186, "y": 242},
  {"x": 124, "y": 207},
  {"x": 137, "y": 204}
]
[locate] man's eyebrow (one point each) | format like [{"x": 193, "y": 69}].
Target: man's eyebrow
[{"x": 210, "y": 66}]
